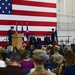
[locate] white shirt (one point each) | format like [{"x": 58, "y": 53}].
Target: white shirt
[{"x": 2, "y": 63}]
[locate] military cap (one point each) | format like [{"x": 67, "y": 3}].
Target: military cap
[
  {"x": 39, "y": 54},
  {"x": 12, "y": 27}
]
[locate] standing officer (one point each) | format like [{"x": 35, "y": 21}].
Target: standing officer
[
  {"x": 10, "y": 33},
  {"x": 53, "y": 36}
]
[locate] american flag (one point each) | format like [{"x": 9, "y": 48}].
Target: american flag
[
  {"x": 27, "y": 36},
  {"x": 22, "y": 31},
  {"x": 40, "y": 15}
]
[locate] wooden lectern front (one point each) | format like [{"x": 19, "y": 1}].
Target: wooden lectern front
[{"x": 17, "y": 40}]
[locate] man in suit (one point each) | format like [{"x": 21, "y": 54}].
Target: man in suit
[
  {"x": 52, "y": 36},
  {"x": 10, "y": 33},
  {"x": 47, "y": 39}
]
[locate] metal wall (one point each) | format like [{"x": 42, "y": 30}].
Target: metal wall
[{"x": 66, "y": 20}]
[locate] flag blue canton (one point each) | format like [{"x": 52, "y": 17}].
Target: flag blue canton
[{"x": 5, "y": 6}]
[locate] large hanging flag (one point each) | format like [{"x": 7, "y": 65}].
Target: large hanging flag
[
  {"x": 22, "y": 31},
  {"x": 27, "y": 36},
  {"x": 40, "y": 15}
]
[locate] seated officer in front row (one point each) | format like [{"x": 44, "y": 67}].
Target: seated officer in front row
[
  {"x": 47, "y": 39},
  {"x": 32, "y": 40}
]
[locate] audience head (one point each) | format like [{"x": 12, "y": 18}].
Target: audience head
[
  {"x": 3, "y": 50},
  {"x": 56, "y": 48},
  {"x": 39, "y": 46},
  {"x": 10, "y": 48},
  {"x": 49, "y": 47},
  {"x": 25, "y": 54},
  {"x": 70, "y": 58},
  {"x": 16, "y": 57},
  {"x": 39, "y": 56},
  {"x": 66, "y": 48}
]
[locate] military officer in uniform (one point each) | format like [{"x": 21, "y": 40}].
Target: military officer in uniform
[{"x": 10, "y": 33}]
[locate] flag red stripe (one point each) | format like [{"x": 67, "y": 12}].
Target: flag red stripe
[
  {"x": 30, "y": 23},
  {"x": 32, "y": 13},
  {"x": 36, "y": 33},
  {"x": 32, "y": 3}
]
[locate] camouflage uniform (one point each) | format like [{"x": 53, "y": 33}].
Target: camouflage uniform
[{"x": 41, "y": 71}]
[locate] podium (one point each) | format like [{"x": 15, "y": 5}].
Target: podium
[{"x": 17, "y": 40}]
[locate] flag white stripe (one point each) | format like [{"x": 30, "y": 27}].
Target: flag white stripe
[
  {"x": 46, "y": 1},
  {"x": 28, "y": 18},
  {"x": 33, "y": 8},
  {"x": 30, "y": 28}
]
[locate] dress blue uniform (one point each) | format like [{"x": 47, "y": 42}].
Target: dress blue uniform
[{"x": 10, "y": 33}]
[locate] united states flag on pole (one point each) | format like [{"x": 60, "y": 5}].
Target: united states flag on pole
[
  {"x": 22, "y": 31},
  {"x": 27, "y": 36},
  {"x": 16, "y": 28},
  {"x": 40, "y": 15}
]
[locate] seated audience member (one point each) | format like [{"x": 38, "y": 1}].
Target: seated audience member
[
  {"x": 2, "y": 62},
  {"x": 14, "y": 67},
  {"x": 10, "y": 51},
  {"x": 3, "y": 53},
  {"x": 66, "y": 48},
  {"x": 56, "y": 57},
  {"x": 26, "y": 62},
  {"x": 50, "y": 50},
  {"x": 47, "y": 58},
  {"x": 47, "y": 40},
  {"x": 64, "y": 63},
  {"x": 70, "y": 61},
  {"x": 32, "y": 48},
  {"x": 39, "y": 58}
]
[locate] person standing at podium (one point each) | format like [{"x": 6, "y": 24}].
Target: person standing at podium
[
  {"x": 10, "y": 33},
  {"x": 53, "y": 36}
]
